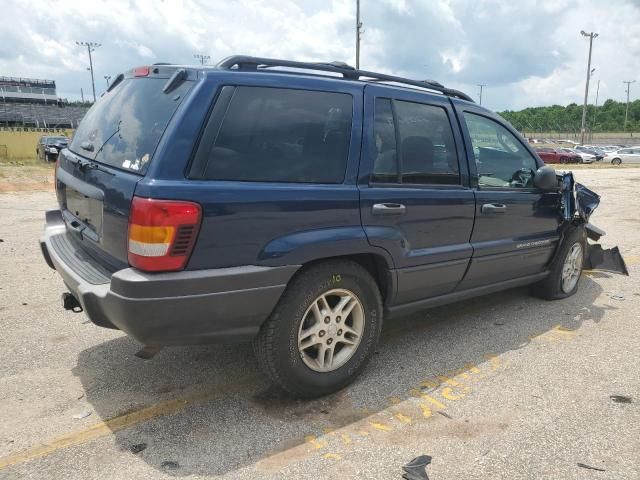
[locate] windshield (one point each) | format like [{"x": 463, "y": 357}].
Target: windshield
[
  {"x": 57, "y": 139},
  {"x": 124, "y": 126}
]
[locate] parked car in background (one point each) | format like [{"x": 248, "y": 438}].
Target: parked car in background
[
  {"x": 48, "y": 148},
  {"x": 557, "y": 155},
  {"x": 584, "y": 157},
  {"x": 598, "y": 155},
  {"x": 624, "y": 155}
]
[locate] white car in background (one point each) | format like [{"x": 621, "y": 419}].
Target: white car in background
[
  {"x": 586, "y": 157},
  {"x": 624, "y": 155}
]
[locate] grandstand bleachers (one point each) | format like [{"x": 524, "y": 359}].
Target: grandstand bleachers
[{"x": 34, "y": 103}]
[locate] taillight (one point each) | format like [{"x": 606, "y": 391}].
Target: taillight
[{"x": 162, "y": 233}]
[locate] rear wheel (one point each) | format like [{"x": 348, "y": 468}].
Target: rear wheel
[
  {"x": 323, "y": 331},
  {"x": 565, "y": 271},
  {"x": 563, "y": 160},
  {"x": 616, "y": 161}
]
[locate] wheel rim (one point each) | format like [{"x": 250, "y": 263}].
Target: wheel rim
[
  {"x": 331, "y": 330},
  {"x": 572, "y": 268}
]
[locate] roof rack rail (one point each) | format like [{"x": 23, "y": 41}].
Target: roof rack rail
[{"x": 244, "y": 62}]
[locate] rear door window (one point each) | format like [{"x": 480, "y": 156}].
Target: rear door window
[
  {"x": 124, "y": 126},
  {"x": 427, "y": 153},
  {"x": 282, "y": 135}
]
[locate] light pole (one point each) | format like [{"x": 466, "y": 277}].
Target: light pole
[
  {"x": 481, "y": 85},
  {"x": 107, "y": 78},
  {"x": 359, "y": 33},
  {"x": 203, "y": 58},
  {"x": 91, "y": 47},
  {"x": 626, "y": 113},
  {"x": 591, "y": 36}
]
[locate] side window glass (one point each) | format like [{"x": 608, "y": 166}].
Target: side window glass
[
  {"x": 282, "y": 135},
  {"x": 427, "y": 153},
  {"x": 427, "y": 147},
  {"x": 385, "y": 165},
  {"x": 501, "y": 160}
]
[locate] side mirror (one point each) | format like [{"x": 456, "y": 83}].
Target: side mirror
[{"x": 545, "y": 179}]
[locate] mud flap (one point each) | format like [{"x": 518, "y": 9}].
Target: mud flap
[{"x": 609, "y": 260}]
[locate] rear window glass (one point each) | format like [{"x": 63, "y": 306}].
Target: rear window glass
[
  {"x": 124, "y": 126},
  {"x": 282, "y": 135}
]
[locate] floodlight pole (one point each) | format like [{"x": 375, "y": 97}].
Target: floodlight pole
[
  {"x": 91, "y": 47},
  {"x": 481, "y": 85},
  {"x": 359, "y": 32},
  {"x": 591, "y": 36},
  {"x": 203, "y": 58},
  {"x": 626, "y": 113},
  {"x": 107, "y": 78}
]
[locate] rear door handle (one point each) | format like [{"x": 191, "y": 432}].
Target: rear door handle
[
  {"x": 493, "y": 208},
  {"x": 388, "y": 209}
]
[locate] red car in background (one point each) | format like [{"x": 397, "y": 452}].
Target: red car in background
[{"x": 556, "y": 155}]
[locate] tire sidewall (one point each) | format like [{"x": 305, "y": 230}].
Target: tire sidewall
[
  {"x": 290, "y": 318},
  {"x": 575, "y": 235}
]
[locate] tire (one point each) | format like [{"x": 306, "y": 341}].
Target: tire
[
  {"x": 277, "y": 344},
  {"x": 616, "y": 161},
  {"x": 563, "y": 160},
  {"x": 552, "y": 287}
]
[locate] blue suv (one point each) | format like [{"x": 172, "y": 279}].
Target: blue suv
[{"x": 298, "y": 205}]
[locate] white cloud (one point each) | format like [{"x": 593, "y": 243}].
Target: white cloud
[{"x": 527, "y": 52}]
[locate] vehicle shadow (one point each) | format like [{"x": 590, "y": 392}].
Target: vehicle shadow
[{"x": 230, "y": 417}]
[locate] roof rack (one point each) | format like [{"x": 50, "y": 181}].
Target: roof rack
[{"x": 244, "y": 62}]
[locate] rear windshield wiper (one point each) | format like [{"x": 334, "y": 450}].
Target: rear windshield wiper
[{"x": 91, "y": 165}]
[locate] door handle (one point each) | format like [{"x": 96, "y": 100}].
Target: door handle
[
  {"x": 493, "y": 208},
  {"x": 388, "y": 209}
]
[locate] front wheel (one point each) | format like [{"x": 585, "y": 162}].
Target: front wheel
[
  {"x": 616, "y": 161},
  {"x": 323, "y": 330},
  {"x": 565, "y": 271}
]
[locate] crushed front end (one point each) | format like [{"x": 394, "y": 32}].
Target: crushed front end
[{"x": 577, "y": 204}]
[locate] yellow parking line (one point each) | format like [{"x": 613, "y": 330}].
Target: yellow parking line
[{"x": 121, "y": 422}]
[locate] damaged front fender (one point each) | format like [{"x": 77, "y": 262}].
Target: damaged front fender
[{"x": 577, "y": 204}]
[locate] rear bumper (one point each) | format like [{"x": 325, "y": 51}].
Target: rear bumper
[{"x": 225, "y": 305}]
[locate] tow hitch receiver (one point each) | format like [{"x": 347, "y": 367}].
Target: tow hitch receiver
[{"x": 69, "y": 302}]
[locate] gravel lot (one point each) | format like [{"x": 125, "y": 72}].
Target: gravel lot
[{"x": 504, "y": 386}]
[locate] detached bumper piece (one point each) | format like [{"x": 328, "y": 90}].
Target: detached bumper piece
[
  {"x": 578, "y": 203},
  {"x": 609, "y": 260}
]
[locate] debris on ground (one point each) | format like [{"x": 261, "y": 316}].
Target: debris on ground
[
  {"x": 137, "y": 448},
  {"x": 416, "y": 468},
  {"x": 170, "y": 465},
  {"x": 445, "y": 414},
  {"x": 621, "y": 398},
  {"x": 81, "y": 415},
  {"x": 617, "y": 296},
  {"x": 589, "y": 467},
  {"x": 148, "y": 352}
]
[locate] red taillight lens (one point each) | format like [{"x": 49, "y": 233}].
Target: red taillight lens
[{"x": 162, "y": 233}]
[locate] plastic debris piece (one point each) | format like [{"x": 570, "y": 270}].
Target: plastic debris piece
[
  {"x": 81, "y": 415},
  {"x": 170, "y": 465},
  {"x": 148, "y": 352},
  {"x": 617, "y": 296},
  {"x": 621, "y": 399},
  {"x": 445, "y": 414},
  {"x": 137, "y": 448},
  {"x": 416, "y": 468},
  {"x": 589, "y": 467}
]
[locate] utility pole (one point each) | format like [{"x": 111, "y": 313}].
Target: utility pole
[
  {"x": 107, "y": 78},
  {"x": 359, "y": 33},
  {"x": 591, "y": 36},
  {"x": 82, "y": 94},
  {"x": 91, "y": 47},
  {"x": 481, "y": 85},
  {"x": 203, "y": 58},
  {"x": 595, "y": 113},
  {"x": 626, "y": 113}
]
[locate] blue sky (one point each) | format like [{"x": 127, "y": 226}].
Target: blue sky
[{"x": 529, "y": 53}]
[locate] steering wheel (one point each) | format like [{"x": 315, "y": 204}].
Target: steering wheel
[{"x": 521, "y": 177}]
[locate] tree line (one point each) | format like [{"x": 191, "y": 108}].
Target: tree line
[{"x": 608, "y": 117}]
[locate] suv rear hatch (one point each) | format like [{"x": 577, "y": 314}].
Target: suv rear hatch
[{"x": 110, "y": 152}]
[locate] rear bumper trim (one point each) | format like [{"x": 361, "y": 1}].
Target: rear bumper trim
[{"x": 225, "y": 305}]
